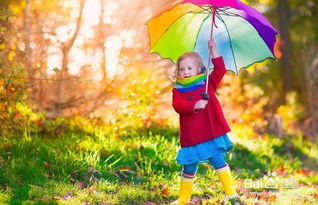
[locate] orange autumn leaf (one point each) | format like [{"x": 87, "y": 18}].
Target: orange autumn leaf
[
  {"x": 272, "y": 198},
  {"x": 315, "y": 195},
  {"x": 165, "y": 192},
  {"x": 38, "y": 121},
  {"x": 17, "y": 115},
  {"x": 304, "y": 171},
  {"x": 281, "y": 171},
  {"x": 250, "y": 195},
  {"x": 11, "y": 89}
]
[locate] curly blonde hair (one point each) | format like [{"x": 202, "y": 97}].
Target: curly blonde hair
[{"x": 195, "y": 56}]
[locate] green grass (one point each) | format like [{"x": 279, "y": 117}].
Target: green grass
[{"x": 95, "y": 165}]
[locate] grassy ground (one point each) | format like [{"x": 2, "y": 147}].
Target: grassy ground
[{"x": 93, "y": 165}]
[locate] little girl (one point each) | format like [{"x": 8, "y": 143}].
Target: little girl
[{"x": 203, "y": 127}]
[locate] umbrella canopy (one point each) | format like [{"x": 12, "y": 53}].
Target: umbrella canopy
[{"x": 243, "y": 36}]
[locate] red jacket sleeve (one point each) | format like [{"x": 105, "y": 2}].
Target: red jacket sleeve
[
  {"x": 182, "y": 106},
  {"x": 218, "y": 71}
]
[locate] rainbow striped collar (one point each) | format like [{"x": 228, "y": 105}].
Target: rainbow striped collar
[{"x": 191, "y": 83}]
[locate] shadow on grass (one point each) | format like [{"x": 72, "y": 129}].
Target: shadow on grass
[
  {"x": 290, "y": 150},
  {"x": 246, "y": 163},
  {"x": 252, "y": 165}
]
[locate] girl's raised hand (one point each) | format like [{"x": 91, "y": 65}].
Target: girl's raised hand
[
  {"x": 212, "y": 48},
  {"x": 211, "y": 45}
]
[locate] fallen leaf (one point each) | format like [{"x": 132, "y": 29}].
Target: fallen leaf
[
  {"x": 80, "y": 184},
  {"x": 242, "y": 189},
  {"x": 315, "y": 195},
  {"x": 47, "y": 164},
  {"x": 56, "y": 198},
  {"x": 165, "y": 192},
  {"x": 196, "y": 201},
  {"x": 94, "y": 179},
  {"x": 92, "y": 170},
  {"x": 67, "y": 196},
  {"x": 250, "y": 195},
  {"x": 92, "y": 189},
  {"x": 304, "y": 171},
  {"x": 272, "y": 198},
  {"x": 125, "y": 169},
  {"x": 1, "y": 161}
]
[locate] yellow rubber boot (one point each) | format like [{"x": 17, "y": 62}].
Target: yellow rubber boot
[
  {"x": 225, "y": 177},
  {"x": 185, "y": 192}
]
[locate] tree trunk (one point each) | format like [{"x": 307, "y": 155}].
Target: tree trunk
[
  {"x": 311, "y": 81},
  {"x": 66, "y": 47},
  {"x": 101, "y": 40},
  {"x": 287, "y": 69},
  {"x": 28, "y": 50}
]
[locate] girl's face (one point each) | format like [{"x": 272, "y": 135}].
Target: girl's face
[{"x": 188, "y": 67}]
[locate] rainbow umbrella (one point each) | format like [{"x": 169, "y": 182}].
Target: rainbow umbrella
[{"x": 243, "y": 36}]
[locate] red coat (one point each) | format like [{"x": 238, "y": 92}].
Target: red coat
[{"x": 207, "y": 123}]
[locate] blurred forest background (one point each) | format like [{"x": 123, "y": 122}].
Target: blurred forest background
[
  {"x": 81, "y": 65},
  {"x": 50, "y": 50}
]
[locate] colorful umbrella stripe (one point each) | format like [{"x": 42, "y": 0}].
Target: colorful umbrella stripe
[{"x": 242, "y": 35}]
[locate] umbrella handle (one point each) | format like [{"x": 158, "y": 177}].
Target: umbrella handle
[{"x": 209, "y": 60}]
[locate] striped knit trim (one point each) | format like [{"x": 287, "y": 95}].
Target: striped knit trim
[
  {"x": 191, "y": 80},
  {"x": 187, "y": 179},
  {"x": 191, "y": 88},
  {"x": 191, "y": 176},
  {"x": 223, "y": 169},
  {"x": 191, "y": 83}
]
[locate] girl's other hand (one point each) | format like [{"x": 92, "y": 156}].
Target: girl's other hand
[{"x": 200, "y": 104}]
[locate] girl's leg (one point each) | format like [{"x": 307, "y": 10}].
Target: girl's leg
[
  {"x": 187, "y": 180},
  {"x": 218, "y": 161},
  {"x": 224, "y": 173},
  {"x": 189, "y": 170}
]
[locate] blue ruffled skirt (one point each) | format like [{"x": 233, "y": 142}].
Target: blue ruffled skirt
[{"x": 203, "y": 151}]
